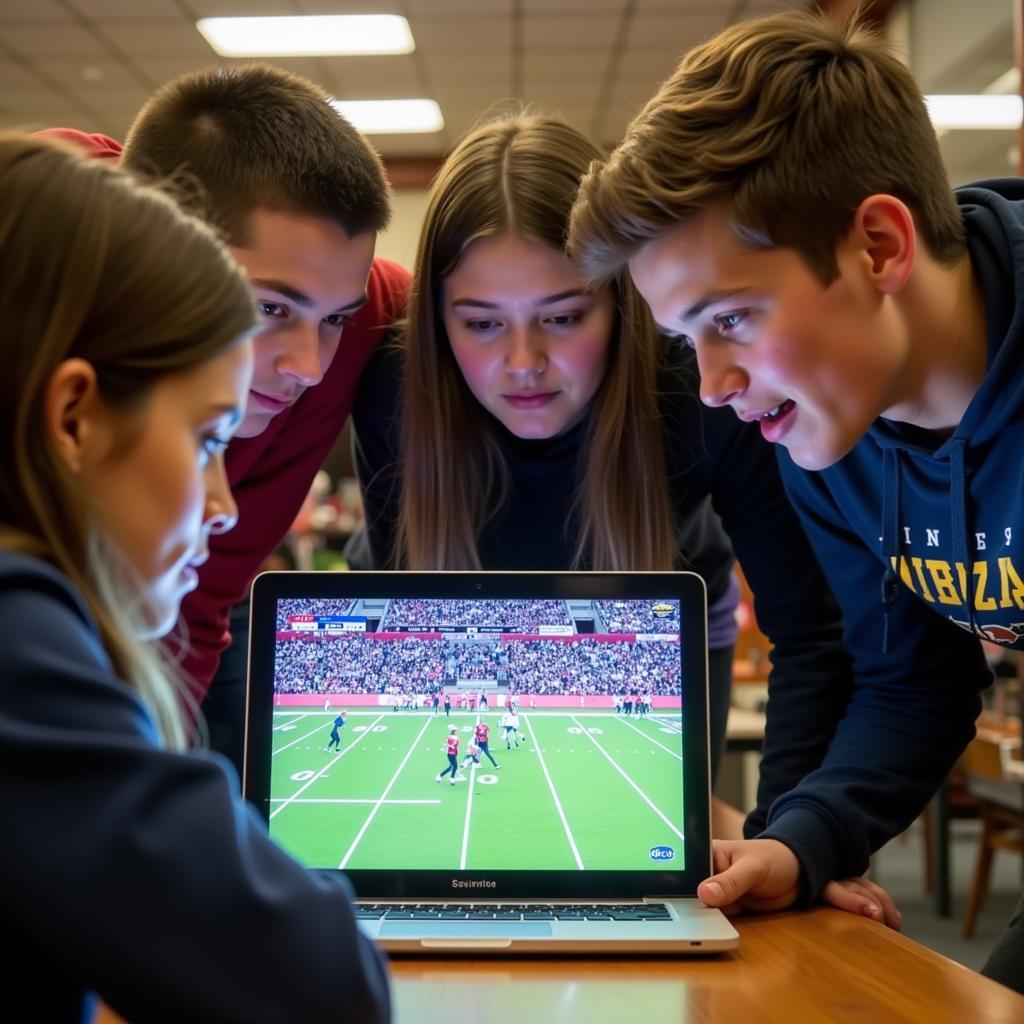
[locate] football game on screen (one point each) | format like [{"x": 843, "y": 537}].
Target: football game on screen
[{"x": 456, "y": 734}]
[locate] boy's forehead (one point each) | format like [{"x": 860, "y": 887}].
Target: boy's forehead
[
  {"x": 698, "y": 259},
  {"x": 311, "y": 254}
]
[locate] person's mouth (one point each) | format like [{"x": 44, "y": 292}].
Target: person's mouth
[
  {"x": 530, "y": 399},
  {"x": 273, "y": 403},
  {"x": 775, "y": 422}
]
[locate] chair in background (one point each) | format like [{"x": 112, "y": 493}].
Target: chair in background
[{"x": 994, "y": 782}]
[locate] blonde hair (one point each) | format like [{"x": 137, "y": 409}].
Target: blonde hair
[
  {"x": 520, "y": 174},
  {"x": 790, "y": 121},
  {"x": 99, "y": 268}
]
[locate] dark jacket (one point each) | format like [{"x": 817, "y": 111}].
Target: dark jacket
[
  {"x": 921, "y": 536},
  {"x": 139, "y": 874}
]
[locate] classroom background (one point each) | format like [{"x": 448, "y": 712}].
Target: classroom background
[{"x": 90, "y": 64}]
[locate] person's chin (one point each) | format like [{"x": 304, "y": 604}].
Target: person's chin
[{"x": 254, "y": 424}]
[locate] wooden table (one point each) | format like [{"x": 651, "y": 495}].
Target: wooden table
[
  {"x": 791, "y": 968},
  {"x": 795, "y": 968}
]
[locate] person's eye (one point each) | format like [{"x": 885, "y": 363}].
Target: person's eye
[
  {"x": 341, "y": 320},
  {"x": 272, "y": 310},
  {"x": 482, "y": 326},
  {"x": 211, "y": 445},
  {"x": 729, "y": 321},
  {"x": 564, "y": 319}
]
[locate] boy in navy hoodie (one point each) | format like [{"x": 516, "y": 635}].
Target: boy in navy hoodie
[{"x": 782, "y": 207}]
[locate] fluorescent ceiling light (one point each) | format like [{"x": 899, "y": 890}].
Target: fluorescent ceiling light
[
  {"x": 328, "y": 35},
  {"x": 979, "y": 111},
  {"x": 382, "y": 117}
]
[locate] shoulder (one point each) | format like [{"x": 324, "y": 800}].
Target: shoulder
[
  {"x": 33, "y": 594},
  {"x": 54, "y": 669},
  {"x": 95, "y": 144},
  {"x": 387, "y": 290}
]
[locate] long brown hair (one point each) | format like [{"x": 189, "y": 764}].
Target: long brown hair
[
  {"x": 520, "y": 174},
  {"x": 100, "y": 268}
]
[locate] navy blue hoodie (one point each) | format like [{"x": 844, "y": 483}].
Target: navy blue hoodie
[
  {"x": 921, "y": 536},
  {"x": 137, "y": 873}
]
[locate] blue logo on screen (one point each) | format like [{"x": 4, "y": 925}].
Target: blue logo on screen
[{"x": 662, "y": 853}]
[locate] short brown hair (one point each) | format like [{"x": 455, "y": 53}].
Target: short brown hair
[
  {"x": 258, "y": 137},
  {"x": 790, "y": 120}
]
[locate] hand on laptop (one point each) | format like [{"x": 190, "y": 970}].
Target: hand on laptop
[
  {"x": 764, "y": 875},
  {"x": 751, "y": 874}
]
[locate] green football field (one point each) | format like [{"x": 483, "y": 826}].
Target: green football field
[{"x": 587, "y": 790}]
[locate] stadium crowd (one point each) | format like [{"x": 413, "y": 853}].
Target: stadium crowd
[
  {"x": 288, "y": 607},
  {"x": 635, "y": 617},
  {"x": 360, "y": 664},
  {"x": 517, "y": 616}
]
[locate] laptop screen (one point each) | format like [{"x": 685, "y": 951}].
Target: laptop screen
[{"x": 479, "y": 735}]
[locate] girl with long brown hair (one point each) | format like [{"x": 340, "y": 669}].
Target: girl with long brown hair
[{"x": 132, "y": 871}]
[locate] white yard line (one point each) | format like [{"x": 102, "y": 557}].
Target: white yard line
[
  {"x": 368, "y": 800},
  {"x": 298, "y": 739},
  {"x": 469, "y": 808},
  {"x": 554, "y": 795},
  {"x": 669, "y": 721},
  {"x": 383, "y": 796},
  {"x": 651, "y": 739},
  {"x": 621, "y": 771},
  {"x": 292, "y": 719},
  {"x": 329, "y": 764}
]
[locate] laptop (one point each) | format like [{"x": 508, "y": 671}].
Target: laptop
[{"x": 499, "y": 762}]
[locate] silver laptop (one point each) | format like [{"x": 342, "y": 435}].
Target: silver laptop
[{"x": 499, "y": 762}]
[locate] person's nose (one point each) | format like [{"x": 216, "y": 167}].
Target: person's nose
[
  {"x": 722, "y": 379},
  {"x": 526, "y": 357},
  {"x": 301, "y": 356},
  {"x": 221, "y": 512}
]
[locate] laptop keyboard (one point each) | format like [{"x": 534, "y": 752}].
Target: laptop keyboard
[{"x": 512, "y": 912}]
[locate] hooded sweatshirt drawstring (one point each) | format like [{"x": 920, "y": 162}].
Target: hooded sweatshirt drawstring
[
  {"x": 959, "y": 522},
  {"x": 890, "y": 536}
]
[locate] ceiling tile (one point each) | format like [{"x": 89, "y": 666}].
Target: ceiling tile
[
  {"x": 560, "y": 32},
  {"x": 372, "y": 77},
  {"x": 32, "y": 10},
  {"x": 570, "y": 7},
  {"x": 679, "y": 30},
  {"x": 90, "y": 77},
  {"x": 553, "y": 67},
  {"x": 463, "y": 7},
  {"x": 15, "y": 77},
  {"x": 158, "y": 39},
  {"x": 459, "y": 36},
  {"x": 469, "y": 71},
  {"x": 131, "y": 9},
  {"x": 39, "y": 40},
  {"x": 239, "y": 8}
]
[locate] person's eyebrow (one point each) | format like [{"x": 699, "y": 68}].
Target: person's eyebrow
[
  {"x": 711, "y": 299},
  {"x": 301, "y": 299},
  {"x": 548, "y": 300}
]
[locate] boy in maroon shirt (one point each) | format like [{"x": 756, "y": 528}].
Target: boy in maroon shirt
[{"x": 300, "y": 196}]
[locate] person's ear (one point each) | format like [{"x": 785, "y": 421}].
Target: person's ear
[
  {"x": 74, "y": 414},
  {"x": 884, "y": 232}
]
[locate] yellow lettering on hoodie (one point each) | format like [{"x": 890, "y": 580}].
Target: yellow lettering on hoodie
[
  {"x": 1011, "y": 585},
  {"x": 923, "y": 591},
  {"x": 982, "y": 602},
  {"x": 942, "y": 580}
]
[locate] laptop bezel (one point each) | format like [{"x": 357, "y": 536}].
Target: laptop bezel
[{"x": 408, "y": 884}]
